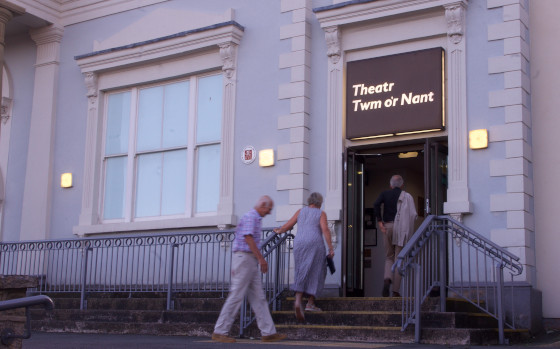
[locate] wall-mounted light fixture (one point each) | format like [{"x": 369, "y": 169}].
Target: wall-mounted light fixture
[
  {"x": 478, "y": 139},
  {"x": 266, "y": 157},
  {"x": 66, "y": 180}
]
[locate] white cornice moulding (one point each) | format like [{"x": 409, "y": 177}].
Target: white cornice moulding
[
  {"x": 86, "y": 10},
  {"x": 329, "y": 16},
  {"x": 68, "y": 12},
  {"x": 158, "y": 49}
]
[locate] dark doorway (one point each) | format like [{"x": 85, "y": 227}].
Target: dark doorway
[{"x": 423, "y": 167}]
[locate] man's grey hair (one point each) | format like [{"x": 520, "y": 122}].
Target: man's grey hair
[
  {"x": 315, "y": 199},
  {"x": 264, "y": 201},
  {"x": 396, "y": 181}
]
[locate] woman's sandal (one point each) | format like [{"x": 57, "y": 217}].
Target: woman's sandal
[{"x": 312, "y": 307}]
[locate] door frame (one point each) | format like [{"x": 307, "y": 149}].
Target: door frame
[{"x": 433, "y": 149}]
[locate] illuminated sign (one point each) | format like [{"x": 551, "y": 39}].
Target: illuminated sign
[{"x": 395, "y": 95}]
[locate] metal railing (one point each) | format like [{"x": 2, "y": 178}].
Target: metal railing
[
  {"x": 167, "y": 263},
  {"x": 447, "y": 257},
  {"x": 8, "y": 335}
]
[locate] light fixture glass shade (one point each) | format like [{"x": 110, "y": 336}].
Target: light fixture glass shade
[
  {"x": 478, "y": 139},
  {"x": 266, "y": 157},
  {"x": 66, "y": 180}
]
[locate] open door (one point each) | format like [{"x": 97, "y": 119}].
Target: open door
[
  {"x": 435, "y": 176},
  {"x": 353, "y": 280}
]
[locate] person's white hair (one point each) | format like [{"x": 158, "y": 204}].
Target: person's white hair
[
  {"x": 396, "y": 181},
  {"x": 264, "y": 201}
]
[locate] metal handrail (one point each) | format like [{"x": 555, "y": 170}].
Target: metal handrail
[
  {"x": 446, "y": 256},
  {"x": 8, "y": 335}
]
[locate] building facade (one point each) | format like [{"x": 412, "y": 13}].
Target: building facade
[{"x": 156, "y": 115}]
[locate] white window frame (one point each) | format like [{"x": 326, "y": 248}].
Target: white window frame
[
  {"x": 170, "y": 58},
  {"x": 132, "y": 155}
]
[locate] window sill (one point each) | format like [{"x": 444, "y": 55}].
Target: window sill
[{"x": 161, "y": 224}]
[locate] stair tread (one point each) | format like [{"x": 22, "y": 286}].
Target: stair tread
[
  {"x": 342, "y": 317},
  {"x": 348, "y": 312}
]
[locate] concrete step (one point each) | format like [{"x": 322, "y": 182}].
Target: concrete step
[
  {"x": 362, "y": 304},
  {"x": 371, "y": 319},
  {"x": 144, "y": 316},
  {"x": 388, "y": 319},
  {"x": 382, "y": 334},
  {"x": 160, "y": 329}
]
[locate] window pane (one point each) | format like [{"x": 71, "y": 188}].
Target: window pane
[
  {"x": 174, "y": 182},
  {"x": 150, "y": 109},
  {"x": 176, "y": 112},
  {"x": 115, "y": 177},
  {"x": 148, "y": 185},
  {"x": 208, "y": 178},
  {"x": 209, "y": 109},
  {"x": 118, "y": 115}
]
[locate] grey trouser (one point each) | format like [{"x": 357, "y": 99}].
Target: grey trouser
[{"x": 245, "y": 280}]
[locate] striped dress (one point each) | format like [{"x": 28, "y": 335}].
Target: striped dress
[{"x": 309, "y": 253}]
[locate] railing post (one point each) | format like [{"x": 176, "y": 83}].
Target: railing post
[
  {"x": 417, "y": 301},
  {"x": 276, "y": 287},
  {"x": 442, "y": 255},
  {"x": 499, "y": 301},
  {"x": 171, "y": 269},
  {"x": 83, "y": 304}
]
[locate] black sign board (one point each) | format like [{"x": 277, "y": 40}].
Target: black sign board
[{"x": 396, "y": 94}]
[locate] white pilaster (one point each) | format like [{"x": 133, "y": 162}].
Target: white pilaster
[
  {"x": 298, "y": 60},
  {"x": 458, "y": 202},
  {"x": 35, "y": 218},
  {"x": 90, "y": 181},
  {"x": 228, "y": 54},
  {"x": 333, "y": 207}
]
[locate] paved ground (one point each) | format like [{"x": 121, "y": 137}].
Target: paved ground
[{"x": 40, "y": 340}]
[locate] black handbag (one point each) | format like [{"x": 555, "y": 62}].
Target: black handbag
[{"x": 330, "y": 264}]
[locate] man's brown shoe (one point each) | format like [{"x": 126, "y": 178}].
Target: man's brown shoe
[
  {"x": 222, "y": 338},
  {"x": 273, "y": 337}
]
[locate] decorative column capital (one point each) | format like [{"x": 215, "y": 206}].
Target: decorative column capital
[
  {"x": 48, "y": 44},
  {"x": 47, "y": 35},
  {"x": 6, "y": 109},
  {"x": 455, "y": 17},
  {"x": 5, "y": 16},
  {"x": 90, "y": 79},
  {"x": 332, "y": 37},
  {"x": 228, "y": 54}
]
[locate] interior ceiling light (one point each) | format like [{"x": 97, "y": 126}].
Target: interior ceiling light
[{"x": 410, "y": 154}]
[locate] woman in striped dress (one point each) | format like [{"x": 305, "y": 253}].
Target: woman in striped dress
[{"x": 309, "y": 252}]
